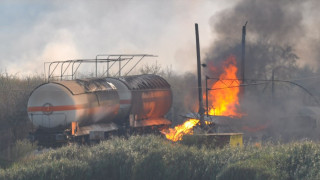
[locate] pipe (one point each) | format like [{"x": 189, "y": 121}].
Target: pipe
[
  {"x": 201, "y": 109},
  {"x": 97, "y": 65},
  {"x": 207, "y": 100},
  {"x": 243, "y": 54}
]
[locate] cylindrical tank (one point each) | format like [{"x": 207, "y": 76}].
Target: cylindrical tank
[
  {"x": 151, "y": 96},
  {"x": 100, "y": 100},
  {"x": 57, "y": 104},
  {"x": 125, "y": 97}
]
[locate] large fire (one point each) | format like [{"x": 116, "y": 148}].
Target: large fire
[
  {"x": 223, "y": 99},
  {"x": 224, "y": 96},
  {"x": 176, "y": 133}
]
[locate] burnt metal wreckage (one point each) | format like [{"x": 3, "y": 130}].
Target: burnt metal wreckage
[{"x": 92, "y": 109}]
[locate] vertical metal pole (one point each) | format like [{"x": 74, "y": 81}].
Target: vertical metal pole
[
  {"x": 107, "y": 68},
  {"x": 32, "y": 121},
  {"x": 72, "y": 71},
  {"x": 119, "y": 68},
  {"x": 61, "y": 71},
  {"x": 207, "y": 101},
  {"x": 32, "y": 129},
  {"x": 44, "y": 71},
  {"x": 272, "y": 87},
  {"x": 49, "y": 72},
  {"x": 243, "y": 54},
  {"x": 201, "y": 109},
  {"x": 97, "y": 66}
]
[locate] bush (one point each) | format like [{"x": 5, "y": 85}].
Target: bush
[
  {"x": 20, "y": 150},
  {"x": 252, "y": 169},
  {"x": 151, "y": 157},
  {"x": 14, "y": 94}
]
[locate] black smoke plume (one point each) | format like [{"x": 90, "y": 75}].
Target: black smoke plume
[{"x": 277, "y": 33}]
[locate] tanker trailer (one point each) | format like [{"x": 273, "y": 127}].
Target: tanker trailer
[
  {"x": 55, "y": 107},
  {"x": 87, "y": 109}
]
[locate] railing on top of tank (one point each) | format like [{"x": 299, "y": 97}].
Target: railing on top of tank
[{"x": 109, "y": 59}]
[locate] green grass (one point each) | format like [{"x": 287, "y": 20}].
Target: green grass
[{"x": 151, "y": 157}]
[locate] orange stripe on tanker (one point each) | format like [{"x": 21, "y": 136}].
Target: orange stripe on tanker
[
  {"x": 125, "y": 101},
  {"x": 65, "y": 107},
  {"x": 56, "y": 108}
]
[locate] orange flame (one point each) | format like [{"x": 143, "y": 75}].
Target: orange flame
[
  {"x": 224, "y": 99},
  {"x": 176, "y": 133}
]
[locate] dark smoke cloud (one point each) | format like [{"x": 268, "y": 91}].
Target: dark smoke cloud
[
  {"x": 274, "y": 21},
  {"x": 288, "y": 24},
  {"x": 278, "y": 33},
  {"x": 271, "y": 23}
]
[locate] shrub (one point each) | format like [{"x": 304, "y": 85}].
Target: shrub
[
  {"x": 14, "y": 93},
  {"x": 151, "y": 157},
  {"x": 251, "y": 169},
  {"x": 20, "y": 150}
]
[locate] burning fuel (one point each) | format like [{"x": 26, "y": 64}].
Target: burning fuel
[
  {"x": 176, "y": 133},
  {"x": 224, "y": 99}
]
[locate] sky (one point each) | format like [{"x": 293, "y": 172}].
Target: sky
[{"x": 37, "y": 31}]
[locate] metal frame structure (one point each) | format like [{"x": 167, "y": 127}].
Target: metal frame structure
[{"x": 109, "y": 59}]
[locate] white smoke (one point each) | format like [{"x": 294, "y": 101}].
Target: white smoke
[{"x": 36, "y": 31}]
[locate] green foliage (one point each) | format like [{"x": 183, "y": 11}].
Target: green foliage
[
  {"x": 258, "y": 169},
  {"x": 17, "y": 152},
  {"x": 199, "y": 141},
  {"x": 14, "y": 94},
  {"x": 151, "y": 157},
  {"x": 21, "y": 148}
]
